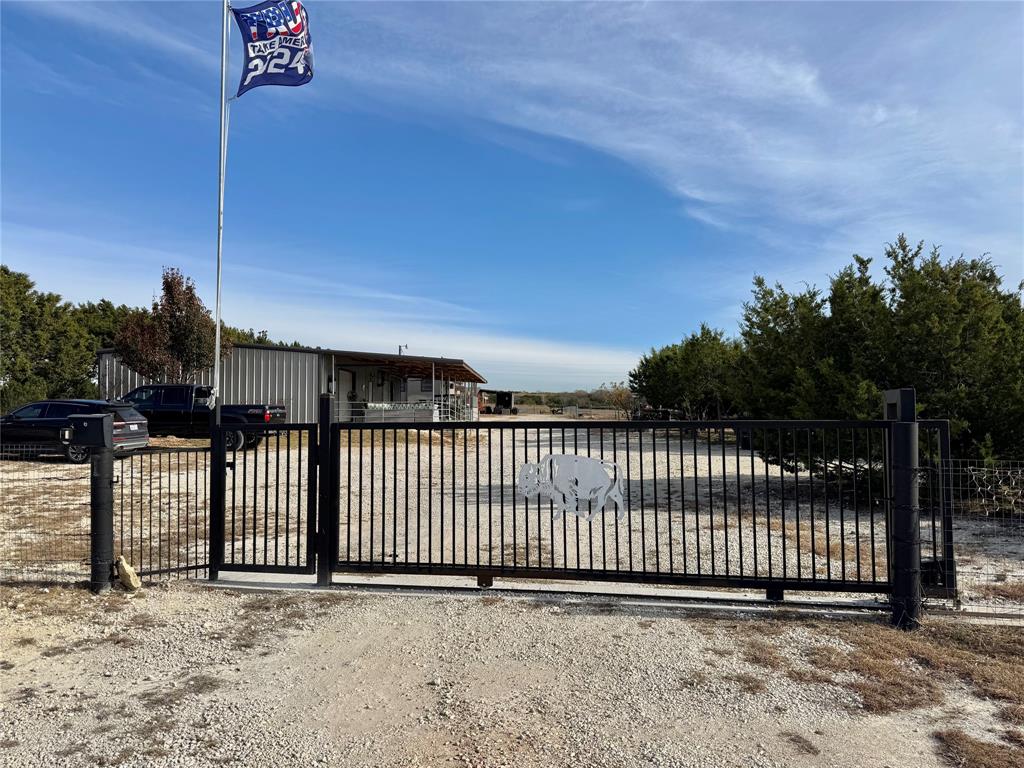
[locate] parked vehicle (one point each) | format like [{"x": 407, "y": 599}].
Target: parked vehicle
[
  {"x": 183, "y": 410},
  {"x": 504, "y": 402},
  {"x": 34, "y": 429}
]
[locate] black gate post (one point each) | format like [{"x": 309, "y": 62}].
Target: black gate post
[
  {"x": 218, "y": 459},
  {"x": 101, "y": 523},
  {"x": 324, "y": 507},
  {"x": 948, "y": 555},
  {"x": 900, "y": 407}
]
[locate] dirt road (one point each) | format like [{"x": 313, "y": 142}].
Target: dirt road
[{"x": 188, "y": 675}]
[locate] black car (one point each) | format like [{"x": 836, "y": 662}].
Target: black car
[{"x": 34, "y": 429}]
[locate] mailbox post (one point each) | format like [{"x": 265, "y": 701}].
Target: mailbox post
[{"x": 96, "y": 432}]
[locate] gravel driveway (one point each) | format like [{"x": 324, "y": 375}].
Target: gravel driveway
[{"x": 189, "y": 675}]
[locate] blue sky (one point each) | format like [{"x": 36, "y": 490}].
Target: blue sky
[{"x": 546, "y": 190}]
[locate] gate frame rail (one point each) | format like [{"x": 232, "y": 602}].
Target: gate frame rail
[
  {"x": 905, "y": 584},
  {"x": 217, "y": 532}
]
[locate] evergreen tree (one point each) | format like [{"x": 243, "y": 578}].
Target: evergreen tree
[{"x": 44, "y": 352}]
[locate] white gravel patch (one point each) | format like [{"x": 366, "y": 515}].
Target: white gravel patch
[{"x": 192, "y": 676}]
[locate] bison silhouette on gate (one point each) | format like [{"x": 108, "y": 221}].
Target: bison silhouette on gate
[{"x": 570, "y": 482}]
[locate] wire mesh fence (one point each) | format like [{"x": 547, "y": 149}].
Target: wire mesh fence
[
  {"x": 988, "y": 528},
  {"x": 161, "y": 511},
  {"x": 44, "y": 516}
]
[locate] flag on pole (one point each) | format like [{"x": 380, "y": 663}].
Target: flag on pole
[{"x": 276, "y": 43}]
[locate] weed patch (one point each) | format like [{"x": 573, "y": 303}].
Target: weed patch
[
  {"x": 195, "y": 686},
  {"x": 749, "y": 683},
  {"x": 1014, "y": 714},
  {"x": 763, "y": 654},
  {"x": 1013, "y": 590},
  {"x": 960, "y": 750}
]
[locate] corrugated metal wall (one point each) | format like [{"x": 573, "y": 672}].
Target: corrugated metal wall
[{"x": 275, "y": 376}]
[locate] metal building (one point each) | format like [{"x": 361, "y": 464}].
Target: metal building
[{"x": 368, "y": 386}]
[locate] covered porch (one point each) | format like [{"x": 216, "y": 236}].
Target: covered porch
[{"x": 378, "y": 387}]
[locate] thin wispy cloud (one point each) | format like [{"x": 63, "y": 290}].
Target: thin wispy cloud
[
  {"x": 318, "y": 311},
  {"x": 747, "y": 119},
  {"x": 544, "y": 189},
  {"x": 139, "y": 24},
  {"x": 506, "y": 360}
]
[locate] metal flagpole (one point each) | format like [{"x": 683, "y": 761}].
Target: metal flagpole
[{"x": 220, "y": 201}]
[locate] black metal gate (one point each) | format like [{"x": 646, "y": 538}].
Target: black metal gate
[
  {"x": 766, "y": 505},
  {"x": 794, "y": 505},
  {"x": 761, "y": 505},
  {"x": 264, "y": 500}
]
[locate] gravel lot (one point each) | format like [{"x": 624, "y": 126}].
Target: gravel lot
[{"x": 189, "y": 675}]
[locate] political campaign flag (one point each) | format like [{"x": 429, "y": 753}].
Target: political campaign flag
[{"x": 276, "y": 42}]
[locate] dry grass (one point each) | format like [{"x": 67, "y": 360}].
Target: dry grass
[
  {"x": 78, "y": 748},
  {"x": 808, "y": 676},
  {"x": 26, "y": 694},
  {"x": 763, "y": 654},
  {"x": 888, "y": 669},
  {"x": 896, "y": 670},
  {"x": 265, "y": 617},
  {"x": 833, "y": 548},
  {"x": 960, "y": 750},
  {"x": 1011, "y": 590},
  {"x": 749, "y": 683},
  {"x": 145, "y": 621},
  {"x": 885, "y": 681},
  {"x": 169, "y": 697},
  {"x": 62, "y": 601},
  {"x": 118, "y": 758},
  {"x": 1013, "y": 714},
  {"x": 696, "y": 679}
]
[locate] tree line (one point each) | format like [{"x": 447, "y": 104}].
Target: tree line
[
  {"x": 48, "y": 346},
  {"x": 946, "y": 327}
]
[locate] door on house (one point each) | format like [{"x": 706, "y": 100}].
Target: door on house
[{"x": 344, "y": 384}]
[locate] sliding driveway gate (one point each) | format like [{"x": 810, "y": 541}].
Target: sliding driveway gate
[{"x": 767, "y": 505}]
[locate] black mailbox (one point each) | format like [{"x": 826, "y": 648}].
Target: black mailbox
[
  {"x": 93, "y": 431},
  {"x": 900, "y": 404}
]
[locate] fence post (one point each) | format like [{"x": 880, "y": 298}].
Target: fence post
[
  {"x": 101, "y": 529},
  {"x": 218, "y": 461},
  {"x": 900, "y": 407},
  {"x": 324, "y": 507},
  {"x": 948, "y": 554}
]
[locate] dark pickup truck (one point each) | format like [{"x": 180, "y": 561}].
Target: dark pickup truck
[{"x": 183, "y": 410}]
